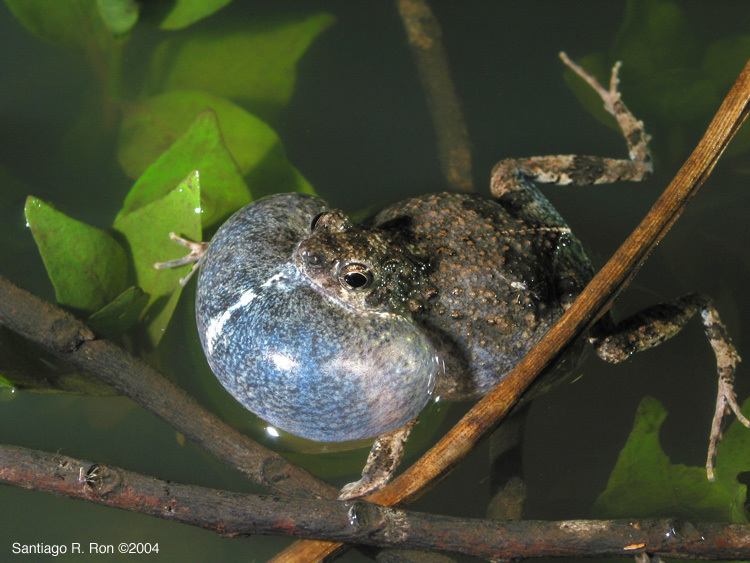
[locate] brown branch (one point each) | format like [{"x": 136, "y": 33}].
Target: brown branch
[
  {"x": 590, "y": 305},
  {"x": 454, "y": 149},
  {"x": 359, "y": 522},
  {"x": 71, "y": 340}
]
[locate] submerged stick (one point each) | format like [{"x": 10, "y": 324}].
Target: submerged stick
[
  {"x": 454, "y": 148},
  {"x": 593, "y": 302}
]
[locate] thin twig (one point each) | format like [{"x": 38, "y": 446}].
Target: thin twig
[
  {"x": 593, "y": 302},
  {"x": 71, "y": 340},
  {"x": 454, "y": 149},
  {"x": 359, "y": 522}
]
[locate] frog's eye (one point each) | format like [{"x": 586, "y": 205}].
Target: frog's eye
[{"x": 356, "y": 277}]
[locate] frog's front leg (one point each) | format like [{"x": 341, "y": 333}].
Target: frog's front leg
[
  {"x": 384, "y": 458},
  {"x": 654, "y": 325},
  {"x": 510, "y": 177},
  {"x": 195, "y": 257}
]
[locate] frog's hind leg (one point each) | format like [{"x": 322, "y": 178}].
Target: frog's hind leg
[
  {"x": 511, "y": 178},
  {"x": 382, "y": 462},
  {"x": 654, "y": 325},
  {"x": 513, "y": 185}
]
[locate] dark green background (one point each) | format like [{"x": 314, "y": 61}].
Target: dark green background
[{"x": 358, "y": 129}]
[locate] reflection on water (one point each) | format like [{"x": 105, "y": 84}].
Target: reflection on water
[{"x": 358, "y": 129}]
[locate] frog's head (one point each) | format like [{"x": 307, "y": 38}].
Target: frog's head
[
  {"x": 304, "y": 319},
  {"x": 359, "y": 265}
]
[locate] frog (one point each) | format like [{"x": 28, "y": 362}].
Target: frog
[{"x": 336, "y": 330}]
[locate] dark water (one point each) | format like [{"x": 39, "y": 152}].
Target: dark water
[{"x": 358, "y": 129}]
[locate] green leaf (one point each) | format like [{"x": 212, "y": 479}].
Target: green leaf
[
  {"x": 87, "y": 266},
  {"x": 201, "y": 148},
  {"x": 151, "y": 127},
  {"x": 79, "y": 26},
  {"x": 118, "y": 15},
  {"x": 274, "y": 174},
  {"x": 147, "y": 231},
  {"x": 119, "y": 316},
  {"x": 72, "y": 24},
  {"x": 187, "y": 12},
  {"x": 646, "y": 483},
  {"x": 655, "y": 36},
  {"x": 659, "y": 52},
  {"x": 256, "y": 65}
]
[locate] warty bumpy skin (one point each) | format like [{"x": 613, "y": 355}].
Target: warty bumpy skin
[
  {"x": 335, "y": 331},
  {"x": 501, "y": 272}
]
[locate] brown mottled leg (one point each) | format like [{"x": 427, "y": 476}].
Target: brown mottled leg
[
  {"x": 512, "y": 175},
  {"x": 654, "y": 325},
  {"x": 385, "y": 455}
]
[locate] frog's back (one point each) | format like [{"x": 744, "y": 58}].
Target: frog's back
[{"x": 498, "y": 278}]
